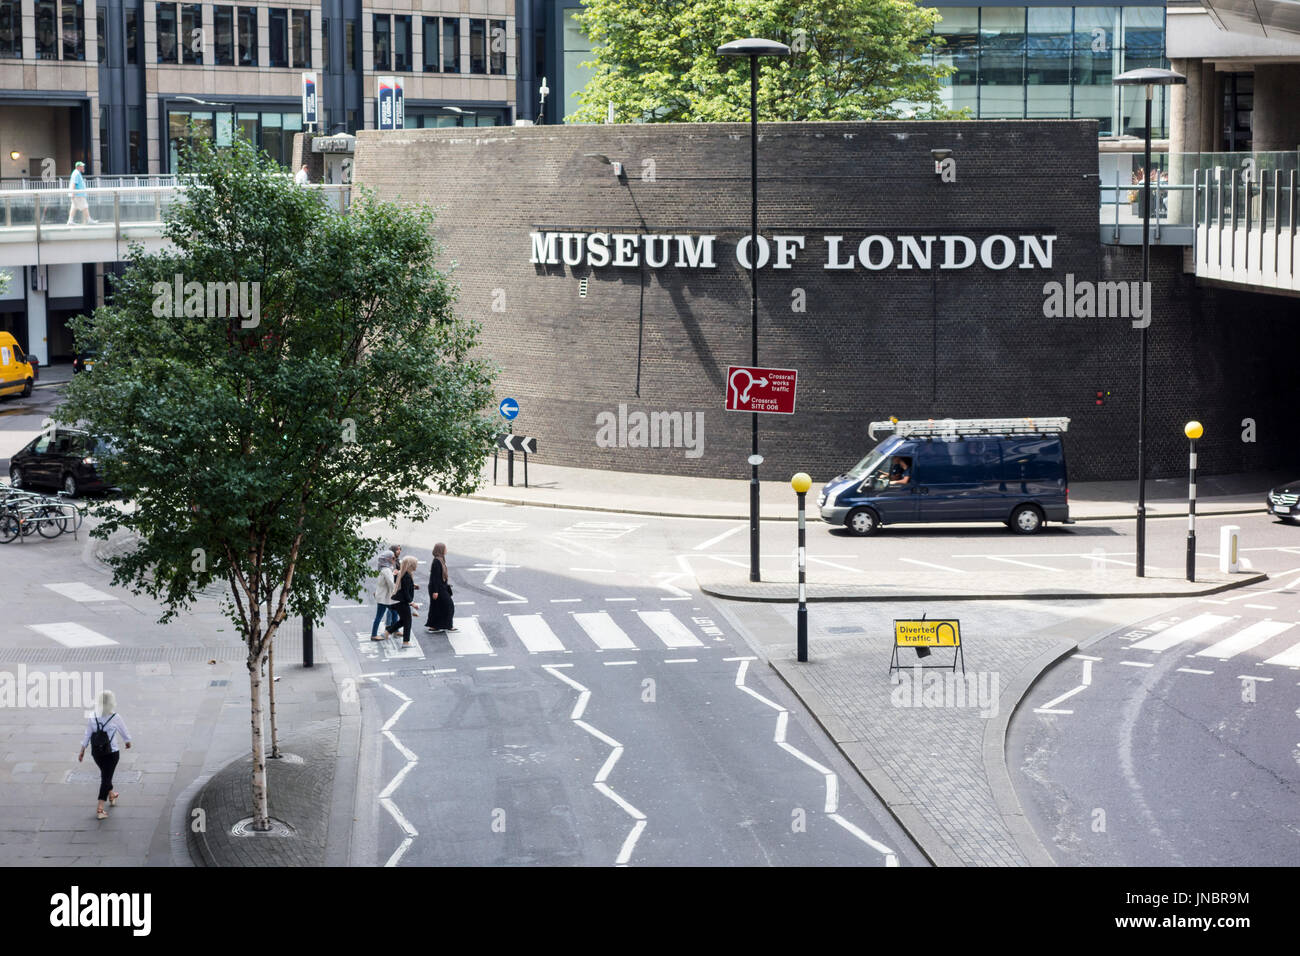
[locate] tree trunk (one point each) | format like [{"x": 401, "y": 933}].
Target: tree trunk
[
  {"x": 261, "y": 813},
  {"x": 270, "y": 693}
]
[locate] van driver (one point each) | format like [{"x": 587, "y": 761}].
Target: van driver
[{"x": 900, "y": 471}]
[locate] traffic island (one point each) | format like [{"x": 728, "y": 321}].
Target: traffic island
[{"x": 732, "y": 584}]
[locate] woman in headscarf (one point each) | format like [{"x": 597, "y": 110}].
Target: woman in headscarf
[
  {"x": 107, "y": 720},
  {"x": 441, "y": 608},
  {"x": 384, "y": 588},
  {"x": 402, "y": 599}
]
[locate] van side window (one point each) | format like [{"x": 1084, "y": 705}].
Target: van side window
[
  {"x": 4, "y": 355},
  {"x": 43, "y": 445},
  {"x": 1032, "y": 459},
  {"x": 968, "y": 460}
]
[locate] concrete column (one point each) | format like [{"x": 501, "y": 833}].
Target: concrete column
[
  {"x": 1184, "y": 134},
  {"x": 1209, "y": 98},
  {"x": 37, "y": 326},
  {"x": 1276, "y": 121}
]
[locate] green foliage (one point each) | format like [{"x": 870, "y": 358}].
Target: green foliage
[
  {"x": 851, "y": 60},
  {"x": 252, "y": 448}
]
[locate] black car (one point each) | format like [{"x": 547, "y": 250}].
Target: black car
[
  {"x": 83, "y": 362},
  {"x": 61, "y": 458},
  {"x": 1284, "y": 501}
]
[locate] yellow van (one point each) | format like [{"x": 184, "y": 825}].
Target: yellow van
[{"x": 16, "y": 373}]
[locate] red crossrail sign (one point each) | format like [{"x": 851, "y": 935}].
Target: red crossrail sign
[{"x": 769, "y": 391}]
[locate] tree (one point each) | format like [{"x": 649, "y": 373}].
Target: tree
[
  {"x": 850, "y": 60},
  {"x": 283, "y": 375}
]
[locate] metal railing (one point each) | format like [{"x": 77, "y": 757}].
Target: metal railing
[{"x": 1246, "y": 225}]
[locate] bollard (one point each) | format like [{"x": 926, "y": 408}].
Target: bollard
[
  {"x": 1193, "y": 431},
  {"x": 1229, "y": 560},
  {"x": 308, "y": 650},
  {"x": 801, "y": 483}
]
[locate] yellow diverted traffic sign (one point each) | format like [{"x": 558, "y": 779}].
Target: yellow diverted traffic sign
[
  {"x": 927, "y": 633},
  {"x": 922, "y": 635}
]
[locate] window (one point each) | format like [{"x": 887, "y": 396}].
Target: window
[
  {"x": 136, "y": 160},
  {"x": 431, "y": 45},
  {"x": 47, "y": 47},
  {"x": 325, "y": 43},
  {"x": 279, "y": 36},
  {"x": 1002, "y": 62},
  {"x": 450, "y": 45},
  {"x": 11, "y": 28},
  {"x": 132, "y": 38},
  {"x": 167, "y": 50},
  {"x": 577, "y": 50},
  {"x": 300, "y": 21},
  {"x": 497, "y": 47},
  {"x": 192, "y": 34},
  {"x": 351, "y": 46},
  {"x": 402, "y": 43},
  {"x": 101, "y": 24},
  {"x": 223, "y": 29},
  {"x": 477, "y": 46},
  {"x": 74, "y": 29},
  {"x": 383, "y": 48},
  {"x": 248, "y": 36}
]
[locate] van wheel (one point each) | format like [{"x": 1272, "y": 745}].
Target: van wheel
[
  {"x": 862, "y": 522},
  {"x": 27, "y": 389},
  {"x": 15, "y": 477},
  {"x": 1026, "y": 520},
  {"x": 70, "y": 486}
]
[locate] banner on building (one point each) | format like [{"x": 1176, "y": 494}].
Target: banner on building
[
  {"x": 310, "y": 114},
  {"x": 391, "y": 109}
]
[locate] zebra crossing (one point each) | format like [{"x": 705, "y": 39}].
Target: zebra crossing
[
  {"x": 1276, "y": 642},
  {"x": 558, "y": 632}
]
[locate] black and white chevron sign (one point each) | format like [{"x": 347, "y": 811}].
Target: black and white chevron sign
[{"x": 517, "y": 443}]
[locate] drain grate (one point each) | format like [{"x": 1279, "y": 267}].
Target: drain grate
[
  {"x": 121, "y": 655},
  {"x": 845, "y": 629}
]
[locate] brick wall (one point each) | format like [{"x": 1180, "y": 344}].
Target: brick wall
[{"x": 869, "y": 344}]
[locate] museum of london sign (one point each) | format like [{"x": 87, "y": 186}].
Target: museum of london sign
[{"x": 876, "y": 252}]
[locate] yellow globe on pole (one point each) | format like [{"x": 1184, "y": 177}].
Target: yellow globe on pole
[
  {"x": 1193, "y": 430},
  {"x": 801, "y": 483}
]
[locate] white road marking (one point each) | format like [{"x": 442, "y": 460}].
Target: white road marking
[
  {"x": 1192, "y": 670},
  {"x": 1288, "y": 658},
  {"x": 620, "y": 599},
  {"x": 80, "y": 592},
  {"x": 1087, "y": 682},
  {"x": 440, "y": 670},
  {"x": 386, "y": 795},
  {"x": 535, "y": 633},
  {"x": 469, "y": 638},
  {"x": 721, "y": 537},
  {"x": 339, "y": 607},
  {"x": 682, "y": 660},
  {"x": 1277, "y": 590},
  {"x": 497, "y": 667},
  {"x": 1136, "y": 664},
  {"x": 1085, "y": 657},
  {"x": 604, "y": 632},
  {"x": 674, "y": 599},
  {"x": 566, "y": 600},
  {"x": 596, "y": 570},
  {"x": 668, "y": 629},
  {"x": 71, "y": 634},
  {"x": 829, "y": 777},
  {"x": 1183, "y": 631},
  {"x": 1244, "y": 640},
  {"x": 618, "y": 663},
  {"x": 665, "y": 579},
  {"x": 832, "y": 564},
  {"x": 1266, "y": 680},
  {"x": 394, "y": 650},
  {"x": 1262, "y": 607},
  {"x": 584, "y": 695},
  {"x": 938, "y": 567},
  {"x": 487, "y": 582},
  {"x": 740, "y": 658},
  {"x": 1040, "y": 567}
]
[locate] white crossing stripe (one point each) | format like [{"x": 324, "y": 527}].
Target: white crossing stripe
[
  {"x": 535, "y": 633},
  {"x": 71, "y": 634},
  {"x": 668, "y": 629},
  {"x": 1244, "y": 640},
  {"x": 394, "y": 651},
  {"x": 80, "y": 592},
  {"x": 469, "y": 638},
  {"x": 1288, "y": 658},
  {"x": 1182, "y": 631},
  {"x": 604, "y": 633}
]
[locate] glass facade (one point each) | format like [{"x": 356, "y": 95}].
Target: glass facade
[
  {"x": 11, "y": 28},
  {"x": 1042, "y": 62},
  {"x": 577, "y": 50},
  {"x": 271, "y": 131}
]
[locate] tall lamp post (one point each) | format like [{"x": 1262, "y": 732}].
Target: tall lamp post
[
  {"x": 753, "y": 48},
  {"x": 1150, "y": 77}
]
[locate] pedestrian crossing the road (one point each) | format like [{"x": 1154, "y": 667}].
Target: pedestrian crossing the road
[
  {"x": 558, "y": 633},
  {"x": 1275, "y": 641}
]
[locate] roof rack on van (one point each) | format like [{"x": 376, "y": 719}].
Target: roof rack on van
[{"x": 949, "y": 427}]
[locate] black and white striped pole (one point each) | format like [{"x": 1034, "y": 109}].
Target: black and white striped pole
[
  {"x": 801, "y": 483},
  {"x": 1193, "y": 431}
]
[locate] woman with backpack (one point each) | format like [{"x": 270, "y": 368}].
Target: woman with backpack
[
  {"x": 384, "y": 588},
  {"x": 102, "y": 731}
]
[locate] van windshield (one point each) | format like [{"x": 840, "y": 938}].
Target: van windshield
[{"x": 874, "y": 460}]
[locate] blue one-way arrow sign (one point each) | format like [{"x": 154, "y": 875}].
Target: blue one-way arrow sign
[{"x": 509, "y": 408}]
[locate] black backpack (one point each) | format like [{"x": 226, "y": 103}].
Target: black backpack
[{"x": 100, "y": 745}]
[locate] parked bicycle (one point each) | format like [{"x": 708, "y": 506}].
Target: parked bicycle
[{"x": 24, "y": 513}]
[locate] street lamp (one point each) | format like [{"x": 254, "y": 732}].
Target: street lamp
[
  {"x": 542, "y": 92},
  {"x": 1150, "y": 77},
  {"x": 753, "y": 48}
]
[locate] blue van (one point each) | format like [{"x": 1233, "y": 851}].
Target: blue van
[{"x": 1008, "y": 470}]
